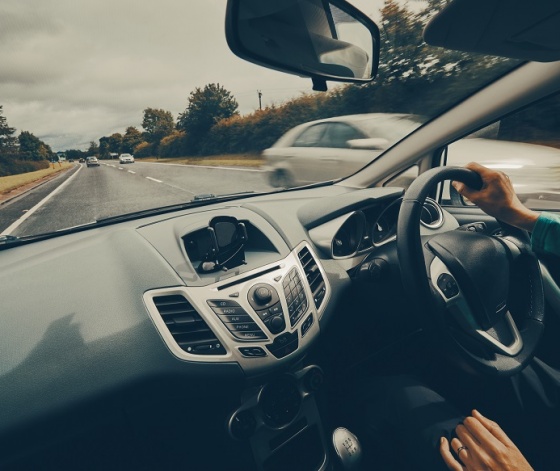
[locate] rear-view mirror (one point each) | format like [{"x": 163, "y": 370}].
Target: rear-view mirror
[{"x": 321, "y": 39}]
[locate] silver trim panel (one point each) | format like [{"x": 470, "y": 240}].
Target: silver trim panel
[{"x": 198, "y": 297}]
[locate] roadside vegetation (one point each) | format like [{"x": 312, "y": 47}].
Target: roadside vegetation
[
  {"x": 15, "y": 182},
  {"x": 413, "y": 78}
]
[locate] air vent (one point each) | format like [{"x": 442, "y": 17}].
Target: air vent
[
  {"x": 314, "y": 276},
  {"x": 186, "y": 326}
]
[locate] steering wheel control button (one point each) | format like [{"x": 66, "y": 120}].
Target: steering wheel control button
[
  {"x": 448, "y": 285},
  {"x": 262, "y": 296},
  {"x": 295, "y": 296},
  {"x": 252, "y": 352},
  {"x": 283, "y": 345},
  {"x": 307, "y": 323}
]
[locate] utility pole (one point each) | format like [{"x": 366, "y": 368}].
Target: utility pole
[{"x": 260, "y": 99}]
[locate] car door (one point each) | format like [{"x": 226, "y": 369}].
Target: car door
[
  {"x": 338, "y": 159},
  {"x": 526, "y": 147}
]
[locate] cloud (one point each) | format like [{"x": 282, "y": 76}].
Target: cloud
[{"x": 74, "y": 71}]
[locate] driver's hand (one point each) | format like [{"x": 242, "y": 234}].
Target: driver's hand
[
  {"x": 497, "y": 198},
  {"x": 482, "y": 445}
]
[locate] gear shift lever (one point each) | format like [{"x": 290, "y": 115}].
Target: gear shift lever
[{"x": 347, "y": 448}]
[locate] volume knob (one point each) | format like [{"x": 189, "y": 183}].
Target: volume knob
[{"x": 263, "y": 295}]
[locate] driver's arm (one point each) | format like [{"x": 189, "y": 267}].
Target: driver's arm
[{"x": 498, "y": 199}]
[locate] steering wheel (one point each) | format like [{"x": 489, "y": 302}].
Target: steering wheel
[{"x": 486, "y": 292}]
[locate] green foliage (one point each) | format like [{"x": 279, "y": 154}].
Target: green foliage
[
  {"x": 157, "y": 124},
  {"x": 32, "y": 148},
  {"x": 10, "y": 164},
  {"x": 93, "y": 148},
  {"x": 8, "y": 143},
  {"x": 143, "y": 149},
  {"x": 173, "y": 145},
  {"x": 205, "y": 108},
  {"x": 132, "y": 137}
]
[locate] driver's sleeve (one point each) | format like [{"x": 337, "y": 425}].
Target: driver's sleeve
[{"x": 546, "y": 234}]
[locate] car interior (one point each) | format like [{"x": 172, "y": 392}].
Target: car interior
[{"x": 234, "y": 333}]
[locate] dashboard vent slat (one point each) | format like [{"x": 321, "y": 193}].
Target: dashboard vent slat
[
  {"x": 313, "y": 275},
  {"x": 187, "y": 327}
]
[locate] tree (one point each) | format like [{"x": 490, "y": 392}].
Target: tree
[
  {"x": 115, "y": 141},
  {"x": 33, "y": 148},
  {"x": 93, "y": 148},
  {"x": 205, "y": 108},
  {"x": 132, "y": 137},
  {"x": 8, "y": 143},
  {"x": 157, "y": 123}
]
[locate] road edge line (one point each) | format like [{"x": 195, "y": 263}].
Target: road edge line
[{"x": 19, "y": 221}]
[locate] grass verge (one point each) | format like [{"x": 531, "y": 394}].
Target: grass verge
[
  {"x": 228, "y": 160},
  {"x": 13, "y": 182}
]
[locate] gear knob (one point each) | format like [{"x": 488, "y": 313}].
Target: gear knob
[{"x": 347, "y": 448}]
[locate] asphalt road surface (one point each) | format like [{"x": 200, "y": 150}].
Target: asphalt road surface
[{"x": 84, "y": 195}]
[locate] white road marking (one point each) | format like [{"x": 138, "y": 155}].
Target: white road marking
[
  {"x": 154, "y": 180},
  {"x": 130, "y": 171},
  {"x": 17, "y": 223},
  {"x": 120, "y": 168}
]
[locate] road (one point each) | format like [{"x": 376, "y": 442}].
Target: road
[{"x": 83, "y": 194}]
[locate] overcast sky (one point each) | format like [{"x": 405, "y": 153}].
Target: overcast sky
[{"x": 72, "y": 71}]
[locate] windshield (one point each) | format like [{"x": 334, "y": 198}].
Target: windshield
[{"x": 156, "y": 81}]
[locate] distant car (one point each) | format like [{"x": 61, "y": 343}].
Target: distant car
[
  {"x": 332, "y": 148},
  {"x": 92, "y": 162},
  {"x": 126, "y": 159},
  {"x": 82, "y": 160},
  {"x": 70, "y": 160}
]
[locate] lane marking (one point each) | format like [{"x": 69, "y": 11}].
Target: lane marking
[
  {"x": 130, "y": 171},
  {"x": 120, "y": 168},
  {"x": 154, "y": 179},
  {"x": 18, "y": 222}
]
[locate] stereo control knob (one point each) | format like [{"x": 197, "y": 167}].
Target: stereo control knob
[
  {"x": 276, "y": 324},
  {"x": 263, "y": 295}
]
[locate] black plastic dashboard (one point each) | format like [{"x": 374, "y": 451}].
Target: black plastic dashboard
[{"x": 91, "y": 315}]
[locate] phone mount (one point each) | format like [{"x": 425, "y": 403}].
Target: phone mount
[{"x": 227, "y": 237}]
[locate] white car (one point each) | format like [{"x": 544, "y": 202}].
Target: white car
[
  {"x": 332, "y": 148},
  {"x": 126, "y": 159}
]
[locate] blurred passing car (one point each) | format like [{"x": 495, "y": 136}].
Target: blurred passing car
[
  {"x": 92, "y": 162},
  {"x": 331, "y": 148},
  {"x": 126, "y": 159}
]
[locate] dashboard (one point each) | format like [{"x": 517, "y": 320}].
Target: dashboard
[{"x": 119, "y": 311}]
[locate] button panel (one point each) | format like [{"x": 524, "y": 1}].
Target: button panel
[
  {"x": 448, "y": 285},
  {"x": 283, "y": 345},
  {"x": 252, "y": 352},
  {"x": 295, "y": 296},
  {"x": 306, "y": 325},
  {"x": 236, "y": 319}
]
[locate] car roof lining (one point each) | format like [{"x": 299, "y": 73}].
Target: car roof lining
[{"x": 509, "y": 28}]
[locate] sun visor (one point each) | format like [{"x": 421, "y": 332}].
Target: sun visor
[{"x": 509, "y": 28}]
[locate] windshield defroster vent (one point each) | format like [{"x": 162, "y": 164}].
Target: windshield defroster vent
[
  {"x": 186, "y": 326},
  {"x": 313, "y": 275}
]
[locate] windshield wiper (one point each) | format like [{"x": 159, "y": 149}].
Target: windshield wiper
[{"x": 8, "y": 239}]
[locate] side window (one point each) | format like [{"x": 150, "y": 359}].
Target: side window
[
  {"x": 338, "y": 135},
  {"x": 311, "y": 137},
  {"x": 524, "y": 145}
]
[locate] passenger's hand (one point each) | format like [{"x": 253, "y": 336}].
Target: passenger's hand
[
  {"x": 482, "y": 446},
  {"x": 497, "y": 198}
]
